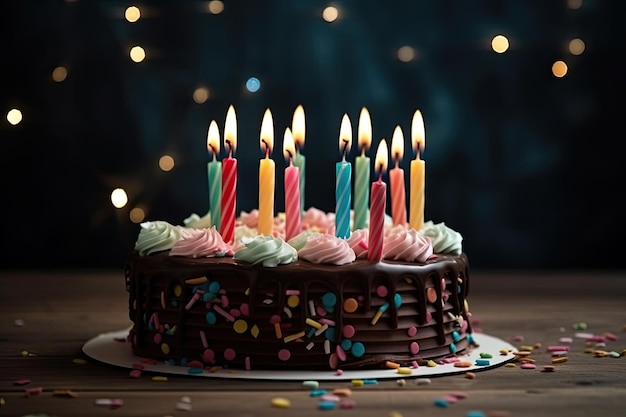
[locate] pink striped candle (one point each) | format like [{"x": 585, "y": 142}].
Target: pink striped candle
[
  {"x": 378, "y": 200},
  {"x": 292, "y": 189},
  {"x": 229, "y": 179},
  {"x": 396, "y": 180}
]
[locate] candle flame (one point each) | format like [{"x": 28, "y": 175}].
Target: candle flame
[
  {"x": 417, "y": 132},
  {"x": 298, "y": 126},
  {"x": 397, "y": 144},
  {"x": 345, "y": 136},
  {"x": 365, "y": 130},
  {"x": 289, "y": 147},
  {"x": 267, "y": 133},
  {"x": 213, "y": 139},
  {"x": 381, "y": 157},
  {"x": 230, "y": 130}
]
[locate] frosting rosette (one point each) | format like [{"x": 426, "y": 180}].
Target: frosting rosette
[
  {"x": 327, "y": 249},
  {"x": 266, "y": 250},
  {"x": 444, "y": 239},
  {"x": 402, "y": 244},
  {"x": 318, "y": 220},
  {"x": 156, "y": 236},
  {"x": 299, "y": 240},
  {"x": 359, "y": 242},
  {"x": 194, "y": 221},
  {"x": 200, "y": 243}
]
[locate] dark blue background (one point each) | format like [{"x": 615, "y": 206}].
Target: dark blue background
[{"x": 526, "y": 166}]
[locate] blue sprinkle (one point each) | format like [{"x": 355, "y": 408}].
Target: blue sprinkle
[
  {"x": 183, "y": 362},
  {"x": 327, "y": 405},
  {"x": 370, "y": 381},
  {"x": 150, "y": 326},
  {"x": 171, "y": 362},
  {"x": 214, "y": 287},
  {"x": 482, "y": 362},
  {"x": 383, "y": 307},
  {"x": 452, "y": 348},
  {"x": 397, "y": 299},
  {"x": 330, "y": 333},
  {"x": 317, "y": 392},
  {"x": 207, "y": 296},
  {"x": 329, "y": 299},
  {"x": 346, "y": 344},
  {"x": 440, "y": 402},
  {"x": 211, "y": 318},
  {"x": 475, "y": 414},
  {"x": 330, "y": 309},
  {"x": 470, "y": 338},
  {"x": 311, "y": 332},
  {"x": 194, "y": 371},
  {"x": 456, "y": 336},
  {"x": 358, "y": 349},
  {"x": 174, "y": 303}
]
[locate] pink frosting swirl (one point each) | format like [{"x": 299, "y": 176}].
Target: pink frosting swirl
[
  {"x": 407, "y": 245},
  {"x": 327, "y": 249},
  {"x": 318, "y": 221},
  {"x": 359, "y": 242},
  {"x": 201, "y": 243}
]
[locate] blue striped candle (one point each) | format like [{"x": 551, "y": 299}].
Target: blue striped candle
[
  {"x": 214, "y": 171},
  {"x": 343, "y": 182}
]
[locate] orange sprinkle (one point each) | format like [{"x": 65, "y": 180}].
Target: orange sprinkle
[
  {"x": 278, "y": 331},
  {"x": 390, "y": 364},
  {"x": 196, "y": 281},
  {"x": 462, "y": 364}
]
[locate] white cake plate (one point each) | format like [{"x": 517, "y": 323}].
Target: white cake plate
[{"x": 111, "y": 348}]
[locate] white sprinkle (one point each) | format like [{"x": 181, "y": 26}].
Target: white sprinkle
[
  {"x": 321, "y": 330},
  {"x": 327, "y": 346},
  {"x": 181, "y": 406},
  {"x": 287, "y": 312},
  {"x": 312, "y": 308},
  {"x": 268, "y": 301},
  {"x": 310, "y": 346},
  {"x": 422, "y": 381}
]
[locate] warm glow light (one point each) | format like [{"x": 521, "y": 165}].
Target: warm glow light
[
  {"x": 576, "y": 46},
  {"x": 119, "y": 198},
  {"x": 299, "y": 126},
  {"x": 230, "y": 131},
  {"x": 559, "y": 69},
  {"x": 397, "y": 144},
  {"x": 500, "y": 44},
  {"x": 137, "y": 54},
  {"x": 132, "y": 14},
  {"x": 166, "y": 163},
  {"x": 267, "y": 133},
  {"x": 365, "y": 130},
  {"x": 59, "y": 74},
  {"x": 200, "y": 95},
  {"x": 345, "y": 136},
  {"x": 406, "y": 54},
  {"x": 213, "y": 139},
  {"x": 289, "y": 147},
  {"x": 330, "y": 14},
  {"x": 215, "y": 7},
  {"x": 137, "y": 215},
  {"x": 14, "y": 116},
  {"x": 380, "y": 165},
  {"x": 574, "y": 4},
  {"x": 418, "y": 137}
]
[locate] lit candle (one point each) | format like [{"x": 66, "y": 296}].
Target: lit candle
[
  {"x": 343, "y": 181},
  {"x": 214, "y": 171},
  {"x": 292, "y": 189},
  {"x": 229, "y": 178},
  {"x": 266, "y": 177},
  {"x": 298, "y": 129},
  {"x": 377, "y": 206},
  {"x": 396, "y": 179},
  {"x": 362, "y": 171},
  {"x": 418, "y": 173}
]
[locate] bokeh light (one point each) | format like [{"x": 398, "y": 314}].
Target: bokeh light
[
  {"x": 576, "y": 46},
  {"x": 119, "y": 198},
  {"x": 201, "y": 95},
  {"x": 330, "y": 14},
  {"x": 14, "y": 116},
  {"x": 137, "y": 54},
  {"x": 137, "y": 215},
  {"x": 166, "y": 163},
  {"x": 132, "y": 14},
  {"x": 253, "y": 84},
  {"x": 406, "y": 54},
  {"x": 215, "y": 7},
  {"x": 59, "y": 74},
  {"x": 574, "y": 4},
  {"x": 559, "y": 69},
  {"x": 500, "y": 44}
]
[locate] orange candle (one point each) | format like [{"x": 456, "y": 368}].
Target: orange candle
[
  {"x": 418, "y": 173},
  {"x": 229, "y": 179},
  {"x": 266, "y": 177},
  {"x": 292, "y": 188},
  {"x": 396, "y": 179},
  {"x": 378, "y": 201}
]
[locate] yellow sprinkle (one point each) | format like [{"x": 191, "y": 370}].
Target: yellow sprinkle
[
  {"x": 254, "y": 331},
  {"x": 559, "y": 359},
  {"x": 2, "y": 402},
  {"x": 510, "y": 365},
  {"x": 247, "y": 292},
  {"x": 504, "y": 351},
  {"x": 159, "y": 378},
  {"x": 240, "y": 326},
  {"x": 162, "y": 299},
  {"x": 395, "y": 414},
  {"x": 79, "y": 361},
  {"x": 470, "y": 375},
  {"x": 589, "y": 350},
  {"x": 293, "y": 337},
  {"x": 404, "y": 370},
  {"x": 196, "y": 281},
  {"x": 357, "y": 382},
  {"x": 313, "y": 323},
  {"x": 178, "y": 290},
  {"x": 165, "y": 348},
  {"x": 173, "y": 329},
  {"x": 280, "y": 402},
  {"x": 526, "y": 347},
  {"x": 401, "y": 382},
  {"x": 64, "y": 393},
  {"x": 293, "y": 301},
  {"x": 279, "y": 333},
  {"x": 376, "y": 317},
  {"x": 24, "y": 353},
  {"x": 431, "y": 364}
]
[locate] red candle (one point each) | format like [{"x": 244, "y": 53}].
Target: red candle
[
  {"x": 396, "y": 180},
  {"x": 229, "y": 179},
  {"x": 378, "y": 199},
  {"x": 292, "y": 189}
]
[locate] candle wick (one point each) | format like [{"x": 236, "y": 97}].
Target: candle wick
[
  {"x": 230, "y": 148},
  {"x": 267, "y": 148},
  {"x": 345, "y": 147},
  {"x": 290, "y": 156},
  {"x": 397, "y": 162},
  {"x": 363, "y": 151},
  {"x": 214, "y": 151}
]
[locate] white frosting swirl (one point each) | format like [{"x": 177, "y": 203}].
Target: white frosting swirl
[
  {"x": 194, "y": 221},
  {"x": 299, "y": 240},
  {"x": 200, "y": 243},
  {"x": 156, "y": 236},
  {"x": 266, "y": 250},
  {"x": 444, "y": 239},
  {"x": 327, "y": 249},
  {"x": 407, "y": 245}
]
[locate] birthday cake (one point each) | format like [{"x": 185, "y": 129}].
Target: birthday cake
[{"x": 314, "y": 301}]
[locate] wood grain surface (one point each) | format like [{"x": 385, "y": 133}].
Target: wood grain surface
[{"x": 48, "y": 316}]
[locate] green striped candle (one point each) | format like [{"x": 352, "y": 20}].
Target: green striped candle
[{"x": 362, "y": 172}]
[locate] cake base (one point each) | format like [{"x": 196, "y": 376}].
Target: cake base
[{"x": 112, "y": 349}]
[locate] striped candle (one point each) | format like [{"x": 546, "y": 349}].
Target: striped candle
[
  {"x": 214, "y": 173},
  {"x": 292, "y": 189},
  {"x": 396, "y": 180},
  {"x": 266, "y": 177},
  {"x": 298, "y": 128},
  {"x": 362, "y": 172},
  {"x": 343, "y": 182},
  {"x": 229, "y": 179},
  {"x": 377, "y": 207},
  {"x": 418, "y": 171}
]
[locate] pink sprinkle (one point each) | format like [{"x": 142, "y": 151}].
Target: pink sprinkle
[
  {"x": 224, "y": 301},
  {"x": 21, "y": 382},
  {"x": 443, "y": 284},
  {"x": 333, "y": 362},
  {"x": 341, "y": 354},
  {"x": 135, "y": 373},
  {"x": 234, "y": 312},
  {"x": 34, "y": 391},
  {"x": 284, "y": 354},
  {"x": 292, "y": 292},
  {"x": 450, "y": 399},
  {"x": 596, "y": 338},
  {"x": 415, "y": 365},
  {"x": 157, "y": 338},
  {"x": 347, "y": 404},
  {"x": 339, "y": 372},
  {"x": 230, "y": 354},
  {"x": 208, "y": 356},
  {"x": 363, "y": 244},
  {"x": 414, "y": 347},
  {"x": 381, "y": 291},
  {"x": 245, "y": 310},
  {"x": 223, "y": 313},
  {"x": 155, "y": 319},
  {"x": 348, "y": 331},
  {"x": 581, "y": 335},
  {"x": 464, "y": 325},
  {"x": 528, "y": 366},
  {"x": 330, "y": 397},
  {"x": 558, "y": 348},
  {"x": 327, "y": 321},
  {"x": 203, "y": 339},
  {"x": 138, "y": 366},
  {"x": 559, "y": 353},
  {"x": 412, "y": 331},
  {"x": 275, "y": 318},
  {"x": 148, "y": 361},
  {"x": 459, "y": 394},
  {"x": 246, "y": 362},
  {"x": 195, "y": 364},
  {"x": 321, "y": 311},
  {"x": 519, "y": 338},
  {"x": 565, "y": 340},
  {"x": 193, "y": 300},
  {"x": 429, "y": 317}
]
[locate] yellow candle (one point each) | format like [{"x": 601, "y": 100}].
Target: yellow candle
[
  {"x": 266, "y": 177},
  {"x": 418, "y": 173}
]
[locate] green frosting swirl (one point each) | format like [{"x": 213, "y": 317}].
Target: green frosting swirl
[
  {"x": 444, "y": 239},
  {"x": 156, "y": 236},
  {"x": 266, "y": 250}
]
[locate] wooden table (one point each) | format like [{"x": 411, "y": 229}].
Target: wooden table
[{"x": 48, "y": 316}]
